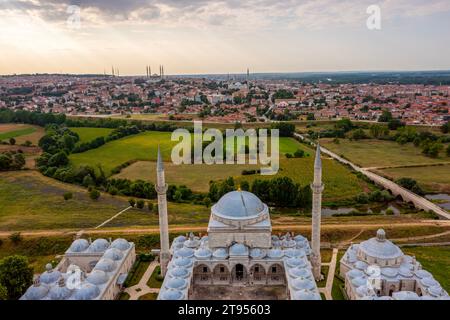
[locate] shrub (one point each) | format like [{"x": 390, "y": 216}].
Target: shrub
[
  {"x": 68, "y": 196},
  {"x": 132, "y": 202},
  {"x": 288, "y": 155},
  {"x": 299, "y": 153},
  {"x": 94, "y": 194},
  {"x": 140, "y": 204},
  {"x": 150, "y": 206},
  {"x": 362, "y": 198},
  {"x": 15, "y": 237}
]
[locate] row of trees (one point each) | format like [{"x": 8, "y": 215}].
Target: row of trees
[
  {"x": 30, "y": 117},
  {"x": 280, "y": 191}
]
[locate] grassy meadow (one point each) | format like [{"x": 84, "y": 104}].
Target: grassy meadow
[
  {"x": 431, "y": 178},
  {"x": 21, "y": 132},
  {"x": 340, "y": 182},
  {"x": 89, "y": 134},
  {"x": 378, "y": 153}
]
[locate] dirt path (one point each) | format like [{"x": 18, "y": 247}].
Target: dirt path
[{"x": 293, "y": 227}]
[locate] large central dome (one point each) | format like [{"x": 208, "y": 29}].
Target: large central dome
[{"x": 239, "y": 205}]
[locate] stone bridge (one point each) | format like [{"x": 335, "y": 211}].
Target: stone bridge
[{"x": 396, "y": 190}]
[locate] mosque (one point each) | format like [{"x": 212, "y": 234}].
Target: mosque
[{"x": 240, "y": 258}]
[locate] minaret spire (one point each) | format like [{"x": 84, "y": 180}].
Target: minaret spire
[
  {"x": 317, "y": 188},
  {"x": 161, "y": 189}
]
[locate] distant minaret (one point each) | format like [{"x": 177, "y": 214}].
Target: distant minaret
[
  {"x": 112, "y": 70},
  {"x": 161, "y": 189},
  {"x": 317, "y": 188},
  {"x": 248, "y": 74}
]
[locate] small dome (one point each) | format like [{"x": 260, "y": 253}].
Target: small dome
[
  {"x": 361, "y": 265},
  {"x": 257, "y": 253},
  {"x": 184, "y": 253},
  {"x": 405, "y": 295},
  {"x": 355, "y": 273},
  {"x": 220, "y": 253},
  {"x": 296, "y": 262},
  {"x": 176, "y": 283},
  {"x": 294, "y": 253},
  {"x": 36, "y": 292},
  {"x": 436, "y": 290},
  {"x": 276, "y": 243},
  {"x": 105, "y": 264},
  {"x": 429, "y": 282},
  {"x": 364, "y": 291},
  {"x": 59, "y": 292},
  {"x": 172, "y": 295},
  {"x": 407, "y": 265},
  {"x": 288, "y": 243},
  {"x": 351, "y": 257},
  {"x": 275, "y": 253},
  {"x": 177, "y": 245},
  {"x": 97, "y": 277},
  {"x": 183, "y": 262},
  {"x": 303, "y": 284},
  {"x": 423, "y": 274},
  {"x": 380, "y": 248},
  {"x": 178, "y": 272},
  {"x": 88, "y": 291},
  {"x": 389, "y": 272},
  {"x": 238, "y": 249},
  {"x": 306, "y": 295},
  {"x": 79, "y": 245},
  {"x": 407, "y": 259},
  {"x": 113, "y": 254},
  {"x": 50, "y": 276},
  {"x": 99, "y": 245},
  {"x": 203, "y": 253},
  {"x": 360, "y": 281},
  {"x": 120, "y": 244},
  {"x": 239, "y": 205},
  {"x": 275, "y": 238},
  {"x": 192, "y": 243},
  {"x": 299, "y": 273},
  {"x": 204, "y": 239},
  {"x": 405, "y": 272},
  {"x": 300, "y": 238},
  {"x": 180, "y": 239}
]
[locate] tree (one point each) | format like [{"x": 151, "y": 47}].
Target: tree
[
  {"x": 359, "y": 134},
  {"x": 140, "y": 204},
  {"x": 447, "y": 151},
  {"x": 310, "y": 117},
  {"x": 15, "y": 237},
  {"x": 207, "y": 202},
  {"x": 286, "y": 129},
  {"x": 445, "y": 127},
  {"x": 385, "y": 116},
  {"x": 94, "y": 194},
  {"x": 3, "y": 293},
  {"x": 88, "y": 181},
  {"x": 132, "y": 202},
  {"x": 394, "y": 124},
  {"x": 150, "y": 206},
  {"x": 245, "y": 185},
  {"x": 15, "y": 275},
  {"x": 12, "y": 141},
  {"x": 68, "y": 196}
]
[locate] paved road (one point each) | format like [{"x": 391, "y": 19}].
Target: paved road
[{"x": 407, "y": 196}]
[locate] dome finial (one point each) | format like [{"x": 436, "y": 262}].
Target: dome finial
[
  {"x": 381, "y": 235},
  {"x": 49, "y": 267}
]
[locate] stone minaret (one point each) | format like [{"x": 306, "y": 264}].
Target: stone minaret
[
  {"x": 161, "y": 189},
  {"x": 317, "y": 188}
]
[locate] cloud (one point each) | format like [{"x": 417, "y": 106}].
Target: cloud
[{"x": 243, "y": 15}]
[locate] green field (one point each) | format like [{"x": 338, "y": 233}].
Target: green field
[
  {"x": 142, "y": 146},
  {"x": 30, "y": 201},
  {"x": 378, "y": 153},
  {"x": 16, "y": 133},
  {"x": 340, "y": 182},
  {"x": 434, "y": 259},
  {"x": 89, "y": 134},
  {"x": 431, "y": 178}
]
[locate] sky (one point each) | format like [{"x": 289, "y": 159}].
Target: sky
[{"x": 227, "y": 36}]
